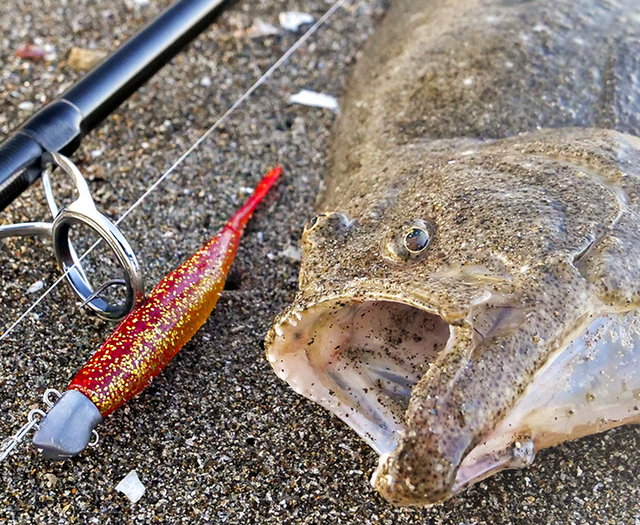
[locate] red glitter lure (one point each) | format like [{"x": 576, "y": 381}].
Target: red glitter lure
[{"x": 146, "y": 340}]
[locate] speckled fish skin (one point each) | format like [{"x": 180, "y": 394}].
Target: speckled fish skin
[
  {"x": 148, "y": 338},
  {"x": 534, "y": 234}
]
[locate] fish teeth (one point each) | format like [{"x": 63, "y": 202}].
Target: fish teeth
[{"x": 381, "y": 461}]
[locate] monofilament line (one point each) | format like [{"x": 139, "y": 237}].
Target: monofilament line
[{"x": 191, "y": 149}]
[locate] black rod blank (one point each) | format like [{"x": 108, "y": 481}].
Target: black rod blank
[{"x": 60, "y": 125}]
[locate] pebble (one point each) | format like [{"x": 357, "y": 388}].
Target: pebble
[
  {"x": 84, "y": 59},
  {"x": 30, "y": 52}
]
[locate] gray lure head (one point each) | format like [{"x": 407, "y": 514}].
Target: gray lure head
[
  {"x": 67, "y": 428},
  {"x": 456, "y": 295}
]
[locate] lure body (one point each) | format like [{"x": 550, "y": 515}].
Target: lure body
[{"x": 146, "y": 340}]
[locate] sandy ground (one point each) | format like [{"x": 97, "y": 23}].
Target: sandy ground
[{"x": 217, "y": 438}]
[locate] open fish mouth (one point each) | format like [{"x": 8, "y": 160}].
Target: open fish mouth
[{"x": 361, "y": 358}]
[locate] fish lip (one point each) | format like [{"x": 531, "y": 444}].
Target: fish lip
[{"x": 358, "y": 290}]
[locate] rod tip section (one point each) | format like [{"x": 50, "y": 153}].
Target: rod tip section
[{"x": 66, "y": 429}]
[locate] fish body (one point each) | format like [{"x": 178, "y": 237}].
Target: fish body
[
  {"x": 469, "y": 292},
  {"x": 148, "y": 337}
]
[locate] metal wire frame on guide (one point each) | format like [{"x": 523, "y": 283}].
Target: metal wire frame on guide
[{"x": 83, "y": 211}]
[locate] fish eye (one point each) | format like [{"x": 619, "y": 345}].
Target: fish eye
[
  {"x": 327, "y": 227},
  {"x": 313, "y": 222},
  {"x": 416, "y": 240},
  {"x": 410, "y": 243}
]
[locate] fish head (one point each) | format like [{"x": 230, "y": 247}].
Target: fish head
[{"x": 432, "y": 303}]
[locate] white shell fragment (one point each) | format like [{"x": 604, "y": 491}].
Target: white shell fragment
[
  {"x": 317, "y": 100},
  {"x": 131, "y": 487},
  {"x": 261, "y": 28},
  {"x": 27, "y": 105},
  {"x": 35, "y": 287},
  {"x": 292, "y": 20},
  {"x": 291, "y": 252}
]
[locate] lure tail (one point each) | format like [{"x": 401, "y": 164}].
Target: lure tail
[
  {"x": 146, "y": 340},
  {"x": 240, "y": 218}
]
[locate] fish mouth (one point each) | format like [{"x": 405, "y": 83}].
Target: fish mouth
[{"x": 359, "y": 358}]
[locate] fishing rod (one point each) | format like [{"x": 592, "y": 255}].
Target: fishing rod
[
  {"x": 56, "y": 437},
  {"x": 248, "y": 93},
  {"x": 56, "y": 130}
]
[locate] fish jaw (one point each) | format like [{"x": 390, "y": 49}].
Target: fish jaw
[
  {"x": 362, "y": 354},
  {"x": 379, "y": 360},
  {"x": 588, "y": 384},
  {"x": 436, "y": 435}
]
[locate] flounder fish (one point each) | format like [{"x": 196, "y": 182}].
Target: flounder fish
[{"x": 470, "y": 292}]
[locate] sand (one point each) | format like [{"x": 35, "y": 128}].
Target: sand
[{"x": 217, "y": 437}]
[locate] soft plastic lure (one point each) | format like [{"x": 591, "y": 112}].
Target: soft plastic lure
[{"x": 146, "y": 340}]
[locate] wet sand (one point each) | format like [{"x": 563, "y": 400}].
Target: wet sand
[{"x": 217, "y": 438}]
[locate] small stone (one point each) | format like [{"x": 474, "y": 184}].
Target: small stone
[
  {"x": 31, "y": 52},
  {"x": 52, "y": 479},
  {"x": 84, "y": 59}
]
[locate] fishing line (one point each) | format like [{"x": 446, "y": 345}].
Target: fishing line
[{"x": 189, "y": 151}]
